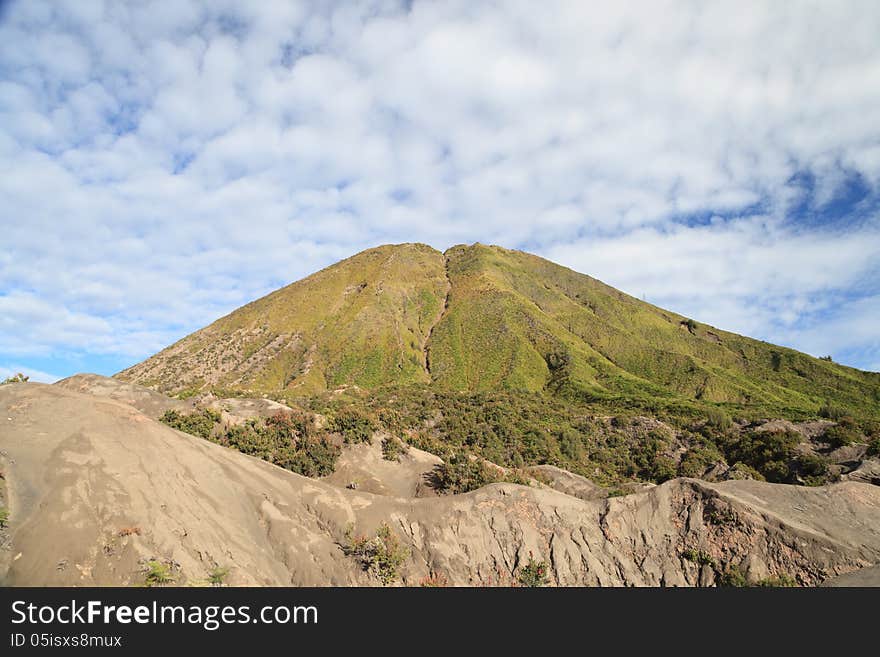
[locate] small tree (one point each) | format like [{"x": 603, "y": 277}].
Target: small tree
[
  {"x": 381, "y": 555},
  {"x": 534, "y": 573}
]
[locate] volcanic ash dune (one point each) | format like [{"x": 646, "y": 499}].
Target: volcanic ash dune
[{"x": 96, "y": 490}]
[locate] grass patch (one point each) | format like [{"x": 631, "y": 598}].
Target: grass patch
[{"x": 158, "y": 574}]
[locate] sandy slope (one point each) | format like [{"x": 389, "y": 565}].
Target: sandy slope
[{"x": 79, "y": 470}]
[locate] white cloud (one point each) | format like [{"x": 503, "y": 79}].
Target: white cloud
[{"x": 169, "y": 161}]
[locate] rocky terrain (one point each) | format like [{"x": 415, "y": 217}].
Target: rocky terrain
[{"x": 100, "y": 493}]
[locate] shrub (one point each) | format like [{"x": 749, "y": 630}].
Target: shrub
[
  {"x": 733, "y": 576},
  {"x": 698, "y": 557},
  {"x": 534, "y": 573},
  {"x": 740, "y": 470},
  {"x": 198, "y": 423},
  {"x": 698, "y": 459},
  {"x": 718, "y": 419},
  {"x": 831, "y": 412},
  {"x": 4, "y": 518},
  {"x": 285, "y": 439},
  {"x": 158, "y": 573},
  {"x": 663, "y": 469},
  {"x": 354, "y": 426},
  {"x": 781, "y": 580},
  {"x": 768, "y": 452},
  {"x": 434, "y": 580},
  {"x": 310, "y": 457},
  {"x": 218, "y": 575},
  {"x": 517, "y": 476},
  {"x": 129, "y": 531},
  {"x": 718, "y": 514},
  {"x": 16, "y": 378},
  {"x": 845, "y": 432},
  {"x": 460, "y": 474},
  {"x": 874, "y": 447},
  {"x": 381, "y": 555},
  {"x": 812, "y": 468},
  {"x": 826, "y": 358},
  {"x": 392, "y": 449}
]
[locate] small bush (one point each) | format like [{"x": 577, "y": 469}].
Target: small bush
[
  {"x": 717, "y": 514},
  {"x": 698, "y": 557},
  {"x": 17, "y": 378},
  {"x": 534, "y": 573},
  {"x": 740, "y": 470},
  {"x": 381, "y": 555},
  {"x": 158, "y": 573},
  {"x": 460, "y": 474},
  {"x": 874, "y": 447},
  {"x": 354, "y": 426},
  {"x": 217, "y": 576},
  {"x": 392, "y": 449},
  {"x": 517, "y": 476},
  {"x": 733, "y": 576},
  {"x": 434, "y": 580},
  {"x": 845, "y": 432},
  {"x": 782, "y": 581},
  {"x": 718, "y": 419},
  {"x": 4, "y": 518},
  {"x": 831, "y": 412},
  {"x": 198, "y": 423}
]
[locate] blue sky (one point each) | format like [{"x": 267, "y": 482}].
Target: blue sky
[{"x": 166, "y": 162}]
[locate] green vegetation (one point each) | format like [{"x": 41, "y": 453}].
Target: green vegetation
[
  {"x": 774, "y": 455},
  {"x": 355, "y": 427},
  {"x": 832, "y": 412},
  {"x": 392, "y": 448},
  {"x": 218, "y": 575},
  {"x": 698, "y": 557},
  {"x": 461, "y": 474},
  {"x": 285, "y": 439},
  {"x": 4, "y": 517},
  {"x": 199, "y": 423},
  {"x": 381, "y": 556},
  {"x": 158, "y": 573},
  {"x": 845, "y": 432},
  {"x": 733, "y": 576},
  {"x": 778, "y": 581},
  {"x": 534, "y": 573},
  {"x": 16, "y": 378}
]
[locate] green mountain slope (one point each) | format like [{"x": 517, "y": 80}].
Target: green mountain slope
[
  {"x": 517, "y": 321},
  {"x": 363, "y": 321},
  {"x": 481, "y": 318}
]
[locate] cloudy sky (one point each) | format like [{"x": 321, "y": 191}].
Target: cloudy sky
[{"x": 165, "y": 162}]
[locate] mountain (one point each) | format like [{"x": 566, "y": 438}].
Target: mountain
[{"x": 479, "y": 319}]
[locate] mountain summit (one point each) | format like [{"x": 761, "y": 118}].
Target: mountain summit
[{"x": 483, "y": 318}]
